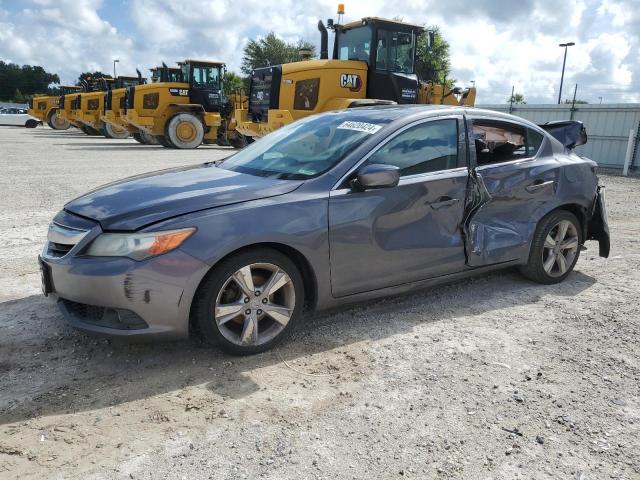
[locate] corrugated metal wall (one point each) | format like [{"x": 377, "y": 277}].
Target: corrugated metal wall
[{"x": 608, "y": 127}]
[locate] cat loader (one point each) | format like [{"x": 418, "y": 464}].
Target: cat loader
[
  {"x": 183, "y": 111},
  {"x": 76, "y": 107},
  {"x": 372, "y": 62},
  {"x": 89, "y": 115},
  {"x": 45, "y": 108},
  {"x": 112, "y": 114}
]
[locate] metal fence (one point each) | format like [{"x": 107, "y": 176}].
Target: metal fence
[{"x": 608, "y": 127}]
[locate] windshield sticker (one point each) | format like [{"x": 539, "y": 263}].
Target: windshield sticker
[{"x": 365, "y": 127}]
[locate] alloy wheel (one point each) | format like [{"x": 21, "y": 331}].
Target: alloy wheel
[
  {"x": 255, "y": 304},
  {"x": 560, "y": 248}
]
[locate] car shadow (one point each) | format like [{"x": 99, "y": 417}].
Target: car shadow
[{"x": 47, "y": 368}]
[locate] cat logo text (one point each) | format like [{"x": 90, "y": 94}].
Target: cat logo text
[{"x": 351, "y": 81}]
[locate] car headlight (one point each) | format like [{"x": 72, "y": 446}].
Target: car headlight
[{"x": 138, "y": 246}]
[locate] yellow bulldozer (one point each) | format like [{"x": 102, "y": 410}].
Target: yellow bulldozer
[
  {"x": 372, "y": 62},
  {"x": 45, "y": 108},
  {"x": 182, "y": 109},
  {"x": 113, "y": 108}
]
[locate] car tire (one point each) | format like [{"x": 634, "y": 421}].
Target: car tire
[
  {"x": 555, "y": 248},
  {"x": 113, "y": 132},
  {"x": 31, "y": 123},
  {"x": 221, "y": 292},
  {"x": 136, "y": 136},
  {"x": 185, "y": 131}
]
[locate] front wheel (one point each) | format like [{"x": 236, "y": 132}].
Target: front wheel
[
  {"x": 57, "y": 123},
  {"x": 111, "y": 131},
  {"x": 185, "y": 130},
  {"x": 555, "y": 248},
  {"x": 250, "y": 302}
]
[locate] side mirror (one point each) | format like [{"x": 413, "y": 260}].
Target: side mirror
[{"x": 376, "y": 176}]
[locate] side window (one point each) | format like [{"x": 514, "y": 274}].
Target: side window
[
  {"x": 428, "y": 147},
  {"x": 498, "y": 142},
  {"x": 534, "y": 141},
  {"x": 381, "y": 51}
]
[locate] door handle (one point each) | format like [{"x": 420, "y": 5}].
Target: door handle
[
  {"x": 443, "y": 202},
  {"x": 538, "y": 185}
]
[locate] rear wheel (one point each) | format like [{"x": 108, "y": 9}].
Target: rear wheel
[
  {"x": 111, "y": 131},
  {"x": 31, "y": 123},
  {"x": 185, "y": 130},
  {"x": 239, "y": 141},
  {"x": 57, "y": 123},
  {"x": 250, "y": 302},
  {"x": 136, "y": 136},
  {"x": 555, "y": 248},
  {"x": 164, "y": 141},
  {"x": 148, "y": 139},
  {"x": 90, "y": 131}
]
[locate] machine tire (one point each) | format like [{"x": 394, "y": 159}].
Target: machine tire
[
  {"x": 213, "y": 288},
  {"x": 185, "y": 131},
  {"x": 114, "y": 132},
  {"x": 240, "y": 141},
  {"x": 31, "y": 123},
  {"x": 57, "y": 123},
  {"x": 148, "y": 139},
  {"x": 90, "y": 131},
  {"x": 164, "y": 141}
]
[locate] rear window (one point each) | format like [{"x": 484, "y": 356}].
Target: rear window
[{"x": 498, "y": 142}]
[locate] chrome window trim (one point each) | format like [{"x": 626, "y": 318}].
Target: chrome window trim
[{"x": 395, "y": 134}]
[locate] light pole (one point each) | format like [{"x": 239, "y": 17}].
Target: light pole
[
  {"x": 114, "y": 67},
  {"x": 565, "y": 45}
]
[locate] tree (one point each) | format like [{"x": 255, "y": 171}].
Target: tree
[
  {"x": 517, "y": 98},
  {"x": 232, "y": 82},
  {"x": 578, "y": 101},
  {"x": 84, "y": 76},
  {"x": 433, "y": 61},
  {"x": 271, "y": 50},
  {"x": 26, "y": 79}
]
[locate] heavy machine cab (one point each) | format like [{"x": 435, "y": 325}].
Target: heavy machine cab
[
  {"x": 373, "y": 62},
  {"x": 389, "y": 48},
  {"x": 166, "y": 74},
  {"x": 205, "y": 83}
]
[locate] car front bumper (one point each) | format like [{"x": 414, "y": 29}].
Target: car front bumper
[{"x": 123, "y": 297}]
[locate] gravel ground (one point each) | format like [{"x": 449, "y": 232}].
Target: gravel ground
[{"x": 489, "y": 378}]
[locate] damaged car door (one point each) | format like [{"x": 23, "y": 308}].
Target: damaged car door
[
  {"x": 382, "y": 237},
  {"x": 508, "y": 189}
]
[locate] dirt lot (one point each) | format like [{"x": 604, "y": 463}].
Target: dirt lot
[{"x": 490, "y": 378}]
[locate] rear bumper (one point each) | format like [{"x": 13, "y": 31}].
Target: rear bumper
[
  {"x": 598, "y": 227},
  {"x": 126, "y": 298}
]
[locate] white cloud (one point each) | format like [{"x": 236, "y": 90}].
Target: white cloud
[{"x": 497, "y": 43}]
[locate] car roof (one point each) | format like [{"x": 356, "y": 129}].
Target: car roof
[{"x": 412, "y": 112}]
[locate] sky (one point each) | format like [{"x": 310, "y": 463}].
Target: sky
[{"x": 495, "y": 43}]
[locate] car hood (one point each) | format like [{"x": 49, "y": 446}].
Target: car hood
[{"x": 136, "y": 202}]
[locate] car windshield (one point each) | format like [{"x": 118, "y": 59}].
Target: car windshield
[{"x": 304, "y": 149}]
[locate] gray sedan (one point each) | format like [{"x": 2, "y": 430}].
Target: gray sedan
[{"x": 337, "y": 208}]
